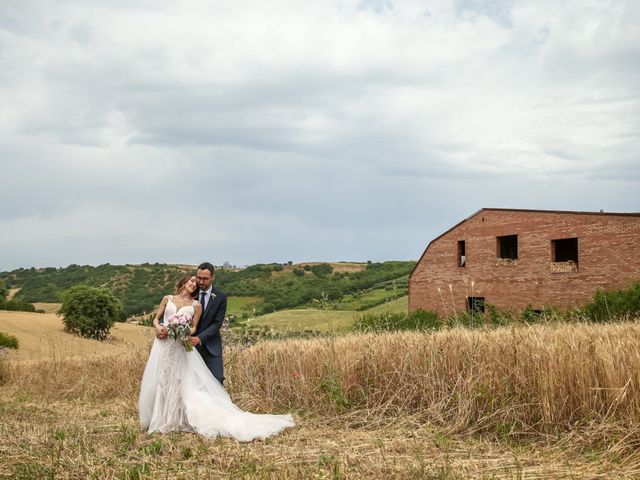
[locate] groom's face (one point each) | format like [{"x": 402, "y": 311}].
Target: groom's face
[{"x": 204, "y": 279}]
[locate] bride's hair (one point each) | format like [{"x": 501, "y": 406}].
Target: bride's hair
[{"x": 181, "y": 283}]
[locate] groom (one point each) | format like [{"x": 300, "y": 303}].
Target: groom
[{"x": 207, "y": 339}]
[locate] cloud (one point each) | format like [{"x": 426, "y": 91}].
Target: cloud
[{"x": 340, "y": 129}]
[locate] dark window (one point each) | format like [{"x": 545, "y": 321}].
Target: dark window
[
  {"x": 508, "y": 247},
  {"x": 475, "y": 304},
  {"x": 462, "y": 259},
  {"x": 565, "y": 250}
]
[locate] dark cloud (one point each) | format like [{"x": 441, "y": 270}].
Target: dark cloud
[{"x": 137, "y": 131}]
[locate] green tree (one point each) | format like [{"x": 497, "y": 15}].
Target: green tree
[{"x": 90, "y": 312}]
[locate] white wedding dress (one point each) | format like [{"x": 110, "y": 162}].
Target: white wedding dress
[{"x": 179, "y": 393}]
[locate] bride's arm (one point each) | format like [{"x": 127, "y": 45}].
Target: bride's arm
[
  {"x": 160, "y": 330},
  {"x": 196, "y": 317}
]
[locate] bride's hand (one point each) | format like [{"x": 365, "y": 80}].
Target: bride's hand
[{"x": 161, "y": 332}]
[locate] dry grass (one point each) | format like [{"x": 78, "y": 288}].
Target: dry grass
[
  {"x": 74, "y": 440},
  {"x": 47, "y": 307},
  {"x": 537, "y": 402},
  {"x": 42, "y": 336},
  {"x": 12, "y": 293},
  {"x": 512, "y": 382},
  {"x": 338, "y": 267}
]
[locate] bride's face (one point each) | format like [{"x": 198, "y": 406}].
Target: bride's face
[{"x": 191, "y": 285}]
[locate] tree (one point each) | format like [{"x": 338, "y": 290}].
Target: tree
[{"x": 90, "y": 312}]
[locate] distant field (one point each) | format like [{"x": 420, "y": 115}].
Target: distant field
[
  {"x": 370, "y": 298},
  {"x": 322, "y": 320},
  {"x": 305, "y": 318},
  {"x": 42, "y": 335},
  {"x": 239, "y": 305},
  {"x": 395, "y": 306},
  {"x": 47, "y": 307}
]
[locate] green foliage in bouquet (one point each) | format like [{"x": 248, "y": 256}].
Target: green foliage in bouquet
[{"x": 90, "y": 312}]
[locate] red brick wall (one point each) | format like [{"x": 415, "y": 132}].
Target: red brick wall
[{"x": 608, "y": 257}]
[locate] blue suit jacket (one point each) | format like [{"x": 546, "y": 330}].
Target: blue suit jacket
[{"x": 211, "y": 321}]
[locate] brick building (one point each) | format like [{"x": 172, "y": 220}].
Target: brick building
[{"x": 514, "y": 258}]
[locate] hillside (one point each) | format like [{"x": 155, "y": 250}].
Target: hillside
[
  {"x": 270, "y": 287},
  {"x": 42, "y": 336}
]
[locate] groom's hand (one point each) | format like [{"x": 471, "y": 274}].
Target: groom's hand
[{"x": 195, "y": 341}]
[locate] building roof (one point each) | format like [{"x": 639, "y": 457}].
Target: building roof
[{"x": 524, "y": 210}]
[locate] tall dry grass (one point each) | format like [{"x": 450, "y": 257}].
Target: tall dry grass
[
  {"x": 520, "y": 380},
  {"x": 536, "y": 380}
]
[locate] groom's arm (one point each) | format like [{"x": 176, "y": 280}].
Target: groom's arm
[{"x": 218, "y": 320}]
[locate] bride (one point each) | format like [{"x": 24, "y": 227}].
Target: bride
[{"x": 179, "y": 393}]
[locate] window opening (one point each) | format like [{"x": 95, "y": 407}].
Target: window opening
[
  {"x": 565, "y": 250},
  {"x": 475, "y": 304},
  {"x": 462, "y": 259},
  {"x": 508, "y": 247}
]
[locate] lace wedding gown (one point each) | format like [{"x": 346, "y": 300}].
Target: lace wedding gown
[{"x": 179, "y": 393}]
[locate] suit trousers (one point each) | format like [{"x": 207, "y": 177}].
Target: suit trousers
[{"x": 213, "y": 363}]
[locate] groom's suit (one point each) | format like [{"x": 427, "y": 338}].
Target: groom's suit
[{"x": 208, "y": 332}]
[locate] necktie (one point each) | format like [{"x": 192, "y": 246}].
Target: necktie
[{"x": 203, "y": 295}]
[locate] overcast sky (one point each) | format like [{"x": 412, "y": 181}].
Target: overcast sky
[{"x": 265, "y": 131}]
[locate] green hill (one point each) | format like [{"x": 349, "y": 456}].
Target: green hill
[{"x": 269, "y": 287}]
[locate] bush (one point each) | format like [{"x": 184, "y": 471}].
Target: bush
[
  {"x": 90, "y": 312},
  {"x": 16, "y": 306},
  {"x": 8, "y": 341},
  {"x": 614, "y": 304},
  {"x": 322, "y": 269},
  {"x": 298, "y": 272},
  {"x": 389, "y": 322}
]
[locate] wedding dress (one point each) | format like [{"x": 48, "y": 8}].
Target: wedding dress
[{"x": 179, "y": 393}]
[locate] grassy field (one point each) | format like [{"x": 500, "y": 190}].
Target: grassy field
[
  {"x": 297, "y": 320},
  {"x": 322, "y": 320},
  {"x": 365, "y": 300},
  {"x": 548, "y": 401},
  {"x": 239, "y": 306}
]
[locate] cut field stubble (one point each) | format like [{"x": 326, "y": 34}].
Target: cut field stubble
[{"x": 571, "y": 385}]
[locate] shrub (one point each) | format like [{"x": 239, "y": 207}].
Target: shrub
[
  {"x": 614, "y": 304},
  {"x": 8, "y": 341},
  {"x": 388, "y": 322},
  {"x": 321, "y": 269},
  {"x": 17, "y": 306},
  {"x": 298, "y": 272},
  {"x": 90, "y": 312}
]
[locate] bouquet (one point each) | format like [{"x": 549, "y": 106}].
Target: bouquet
[{"x": 179, "y": 326}]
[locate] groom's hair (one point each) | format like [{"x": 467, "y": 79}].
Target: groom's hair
[{"x": 206, "y": 266}]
